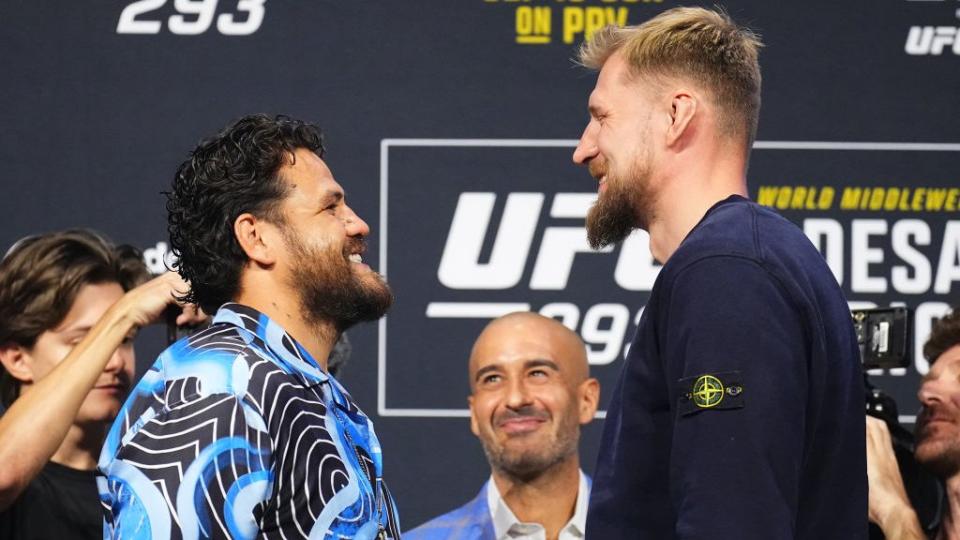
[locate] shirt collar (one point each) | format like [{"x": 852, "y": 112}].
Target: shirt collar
[
  {"x": 292, "y": 356},
  {"x": 504, "y": 518}
]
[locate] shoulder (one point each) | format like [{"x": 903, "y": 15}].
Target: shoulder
[
  {"x": 745, "y": 244},
  {"x": 465, "y": 523},
  {"x": 222, "y": 359},
  {"x": 219, "y": 365},
  {"x": 739, "y": 227}
]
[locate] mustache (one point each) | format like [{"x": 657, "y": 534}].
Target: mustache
[
  {"x": 526, "y": 412},
  {"x": 354, "y": 245},
  {"x": 930, "y": 413},
  {"x": 597, "y": 168}
]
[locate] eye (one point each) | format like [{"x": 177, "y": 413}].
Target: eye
[
  {"x": 128, "y": 339},
  {"x": 539, "y": 373},
  {"x": 492, "y": 378}
]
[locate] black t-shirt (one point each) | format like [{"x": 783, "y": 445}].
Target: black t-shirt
[{"x": 59, "y": 503}]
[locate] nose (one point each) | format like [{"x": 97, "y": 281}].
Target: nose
[
  {"x": 354, "y": 225},
  {"x": 929, "y": 392},
  {"x": 118, "y": 360},
  {"x": 587, "y": 146},
  {"x": 518, "y": 395}
]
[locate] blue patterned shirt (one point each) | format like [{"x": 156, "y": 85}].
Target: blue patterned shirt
[{"x": 235, "y": 432}]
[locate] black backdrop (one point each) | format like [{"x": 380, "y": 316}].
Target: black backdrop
[{"x": 470, "y": 108}]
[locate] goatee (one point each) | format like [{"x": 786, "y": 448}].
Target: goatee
[
  {"x": 528, "y": 464},
  {"x": 329, "y": 289},
  {"x": 626, "y": 203}
]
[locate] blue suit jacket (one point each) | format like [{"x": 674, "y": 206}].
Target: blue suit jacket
[{"x": 471, "y": 521}]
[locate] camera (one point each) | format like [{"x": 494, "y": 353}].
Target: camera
[{"x": 884, "y": 337}]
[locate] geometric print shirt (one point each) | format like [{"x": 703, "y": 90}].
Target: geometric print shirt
[{"x": 235, "y": 432}]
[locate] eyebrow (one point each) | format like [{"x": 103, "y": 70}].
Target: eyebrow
[
  {"x": 541, "y": 362},
  {"x": 330, "y": 197},
  {"x": 484, "y": 370},
  {"x": 333, "y": 195},
  {"x": 75, "y": 330}
]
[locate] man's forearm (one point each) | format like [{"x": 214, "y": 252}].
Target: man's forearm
[{"x": 901, "y": 523}]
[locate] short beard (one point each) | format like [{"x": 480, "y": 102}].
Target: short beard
[
  {"x": 329, "y": 290},
  {"x": 528, "y": 465},
  {"x": 625, "y": 204},
  {"x": 944, "y": 461}
]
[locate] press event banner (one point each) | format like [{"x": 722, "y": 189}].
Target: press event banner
[{"x": 451, "y": 125}]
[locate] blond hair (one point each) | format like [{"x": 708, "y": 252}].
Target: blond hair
[{"x": 703, "y": 46}]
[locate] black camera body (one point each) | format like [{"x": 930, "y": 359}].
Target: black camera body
[{"x": 884, "y": 336}]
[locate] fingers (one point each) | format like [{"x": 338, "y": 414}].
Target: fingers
[
  {"x": 191, "y": 316},
  {"x": 882, "y": 467},
  {"x": 878, "y": 433},
  {"x": 146, "y": 303},
  {"x": 887, "y": 494},
  {"x": 174, "y": 282}
]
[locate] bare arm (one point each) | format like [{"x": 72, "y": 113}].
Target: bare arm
[
  {"x": 35, "y": 425},
  {"x": 889, "y": 506}
]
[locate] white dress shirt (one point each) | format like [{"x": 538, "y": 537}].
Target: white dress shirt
[{"x": 506, "y": 526}]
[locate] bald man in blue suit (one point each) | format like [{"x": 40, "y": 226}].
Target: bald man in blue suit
[{"x": 530, "y": 393}]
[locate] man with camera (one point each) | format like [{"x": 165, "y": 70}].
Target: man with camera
[{"x": 937, "y": 447}]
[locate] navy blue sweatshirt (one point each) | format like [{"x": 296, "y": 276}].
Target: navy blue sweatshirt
[{"x": 739, "y": 413}]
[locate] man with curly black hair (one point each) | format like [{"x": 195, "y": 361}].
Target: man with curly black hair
[{"x": 239, "y": 431}]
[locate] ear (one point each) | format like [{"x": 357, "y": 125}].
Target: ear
[
  {"x": 257, "y": 238},
  {"x": 17, "y": 361},
  {"x": 474, "y": 426},
  {"x": 589, "y": 392},
  {"x": 683, "y": 107}
]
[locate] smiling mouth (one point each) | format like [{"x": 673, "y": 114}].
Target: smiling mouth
[
  {"x": 520, "y": 426},
  {"x": 356, "y": 258}
]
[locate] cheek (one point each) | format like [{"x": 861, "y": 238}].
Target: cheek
[
  {"x": 47, "y": 356},
  {"x": 954, "y": 392},
  {"x": 606, "y": 144},
  {"x": 484, "y": 410},
  {"x": 555, "y": 400},
  {"x": 326, "y": 242},
  {"x": 130, "y": 364}
]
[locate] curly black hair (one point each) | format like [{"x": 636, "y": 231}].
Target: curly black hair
[
  {"x": 944, "y": 336},
  {"x": 233, "y": 173}
]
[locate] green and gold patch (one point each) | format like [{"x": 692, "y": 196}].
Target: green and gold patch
[{"x": 721, "y": 390}]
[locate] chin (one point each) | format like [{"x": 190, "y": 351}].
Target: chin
[
  {"x": 938, "y": 457},
  {"x": 96, "y": 413}
]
